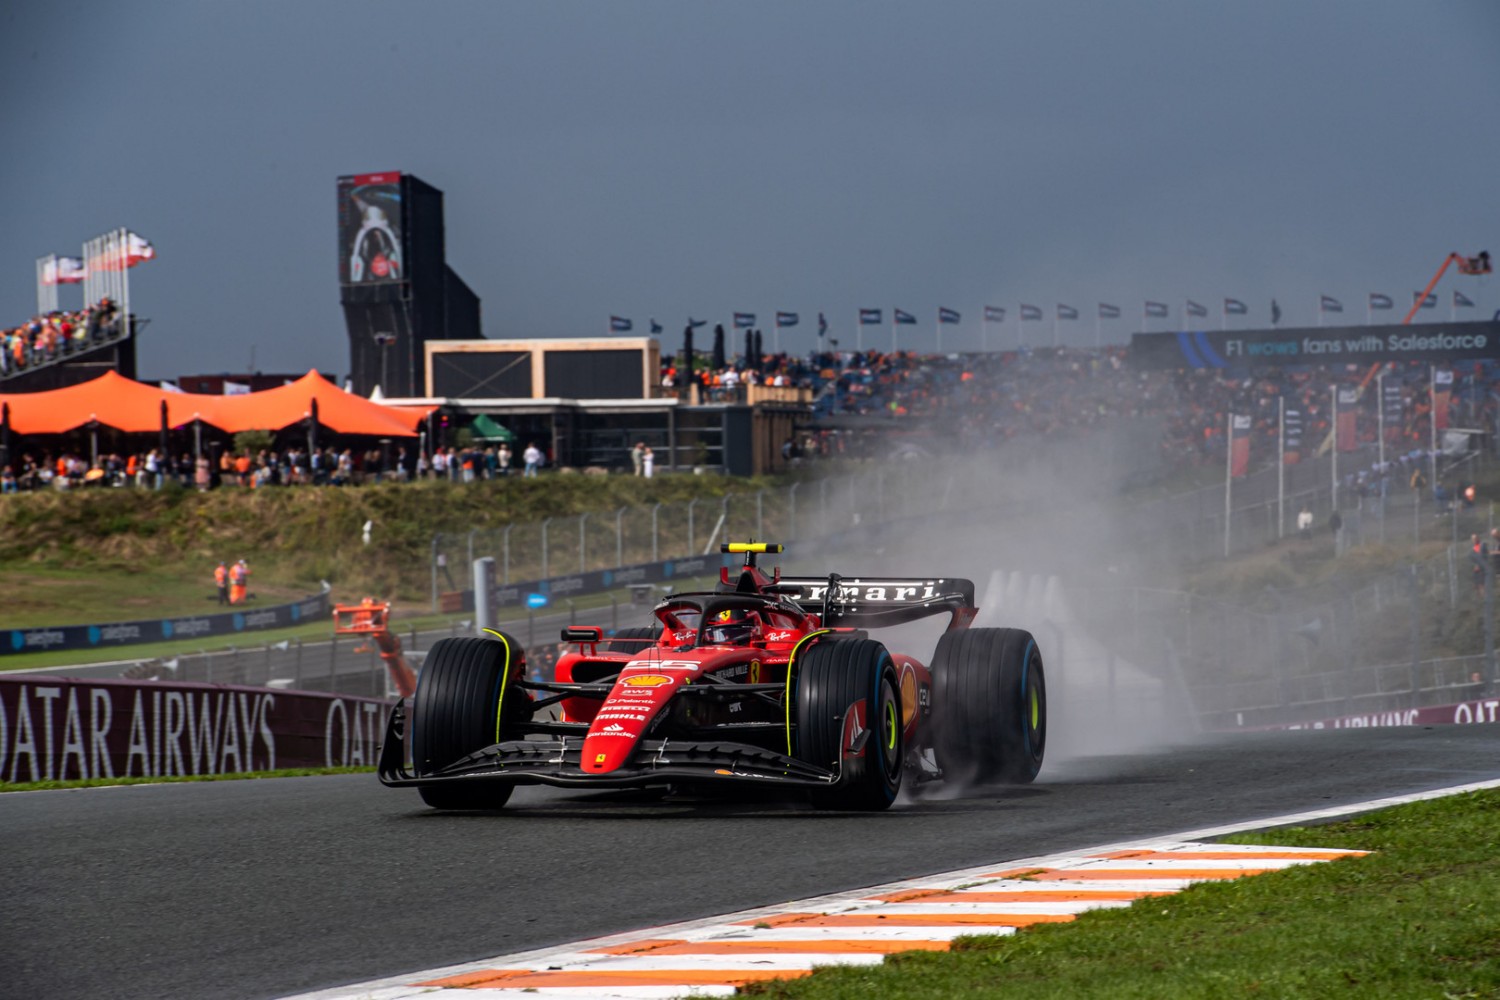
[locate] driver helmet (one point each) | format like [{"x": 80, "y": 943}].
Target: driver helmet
[{"x": 730, "y": 627}]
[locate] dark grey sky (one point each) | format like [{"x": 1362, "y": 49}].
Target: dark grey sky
[{"x": 673, "y": 158}]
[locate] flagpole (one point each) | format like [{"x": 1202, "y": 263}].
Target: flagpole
[
  {"x": 940, "y": 329},
  {"x": 984, "y": 334},
  {"x": 1098, "y": 331},
  {"x": 1054, "y": 327},
  {"x": 1228, "y": 477},
  {"x": 1380, "y": 399},
  {"x": 1335, "y": 466},
  {"x": 859, "y": 332},
  {"x": 1281, "y": 466},
  {"x": 893, "y": 330},
  {"x": 1320, "y": 310},
  {"x": 1432, "y": 418}
]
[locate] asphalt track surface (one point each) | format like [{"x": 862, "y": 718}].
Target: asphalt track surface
[{"x": 268, "y": 887}]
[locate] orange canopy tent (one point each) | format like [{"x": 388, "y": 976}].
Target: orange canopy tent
[{"x": 119, "y": 402}]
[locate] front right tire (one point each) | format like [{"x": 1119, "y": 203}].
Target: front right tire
[
  {"x": 831, "y": 678},
  {"x": 466, "y": 700}
]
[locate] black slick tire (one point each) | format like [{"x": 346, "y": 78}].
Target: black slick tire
[
  {"x": 460, "y": 708},
  {"x": 830, "y": 678},
  {"x": 989, "y": 706}
]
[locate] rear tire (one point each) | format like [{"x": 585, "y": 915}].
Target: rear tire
[
  {"x": 464, "y": 703},
  {"x": 989, "y": 705},
  {"x": 831, "y": 677}
]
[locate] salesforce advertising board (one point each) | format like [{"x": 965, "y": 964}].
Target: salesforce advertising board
[
  {"x": 1364, "y": 345},
  {"x": 61, "y": 729}
]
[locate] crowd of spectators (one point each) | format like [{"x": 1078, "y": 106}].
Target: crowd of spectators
[
  {"x": 56, "y": 335},
  {"x": 951, "y": 402},
  {"x": 866, "y": 401}
]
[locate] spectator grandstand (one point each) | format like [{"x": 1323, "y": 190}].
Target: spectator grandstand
[{"x": 57, "y": 336}]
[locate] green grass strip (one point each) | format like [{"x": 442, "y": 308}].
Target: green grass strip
[
  {"x": 1419, "y": 918},
  {"x": 288, "y": 772}
]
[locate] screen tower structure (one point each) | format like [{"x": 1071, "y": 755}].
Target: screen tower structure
[{"x": 395, "y": 285}]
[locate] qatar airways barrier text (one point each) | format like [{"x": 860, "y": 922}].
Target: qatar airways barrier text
[{"x": 57, "y": 728}]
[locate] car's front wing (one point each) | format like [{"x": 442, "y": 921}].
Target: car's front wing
[{"x": 558, "y": 761}]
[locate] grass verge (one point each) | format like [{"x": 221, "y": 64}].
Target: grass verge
[
  {"x": 1419, "y": 918},
  {"x": 288, "y": 772}
]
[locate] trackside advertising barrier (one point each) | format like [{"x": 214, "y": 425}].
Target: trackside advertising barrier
[
  {"x": 57, "y": 728},
  {"x": 1463, "y": 713},
  {"x": 77, "y": 637}
]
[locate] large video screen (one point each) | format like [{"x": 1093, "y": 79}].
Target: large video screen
[{"x": 371, "y": 247}]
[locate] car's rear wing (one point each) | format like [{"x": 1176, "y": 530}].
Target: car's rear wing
[{"x": 874, "y": 602}]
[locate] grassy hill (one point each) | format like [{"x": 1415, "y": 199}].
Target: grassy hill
[{"x": 64, "y": 556}]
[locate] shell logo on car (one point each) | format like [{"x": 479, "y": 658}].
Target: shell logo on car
[{"x": 646, "y": 680}]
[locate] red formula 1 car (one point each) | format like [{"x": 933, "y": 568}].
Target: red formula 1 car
[{"x": 766, "y": 681}]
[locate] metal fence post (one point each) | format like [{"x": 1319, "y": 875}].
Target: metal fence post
[
  {"x": 760, "y": 514},
  {"x": 583, "y": 520},
  {"x": 692, "y": 547},
  {"x": 655, "y": 510},
  {"x": 791, "y": 503},
  {"x": 505, "y": 546},
  {"x": 546, "y": 575},
  {"x": 433, "y": 560},
  {"x": 620, "y": 537}
]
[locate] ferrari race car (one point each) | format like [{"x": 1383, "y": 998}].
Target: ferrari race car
[{"x": 767, "y": 680}]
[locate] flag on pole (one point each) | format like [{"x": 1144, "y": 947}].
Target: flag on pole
[
  {"x": 1430, "y": 302},
  {"x": 1378, "y": 301},
  {"x": 1275, "y": 312},
  {"x": 1239, "y": 445},
  {"x": 786, "y": 319},
  {"x": 1395, "y": 409},
  {"x": 1234, "y": 307},
  {"x": 743, "y": 320},
  {"x": 1194, "y": 309},
  {"x": 695, "y": 323},
  {"x": 869, "y": 317},
  {"x": 1460, "y": 300},
  {"x": 1066, "y": 312},
  {"x": 1157, "y": 309},
  {"x": 903, "y": 317},
  {"x": 1031, "y": 312},
  {"x": 619, "y": 324},
  {"x": 1329, "y": 304},
  {"x": 822, "y": 325},
  {"x": 1107, "y": 311},
  {"x": 948, "y": 315},
  {"x": 994, "y": 314},
  {"x": 1291, "y": 435},
  {"x": 70, "y": 271},
  {"x": 138, "y": 249},
  {"x": 1346, "y": 431},
  {"x": 1442, "y": 391},
  {"x": 655, "y": 326}
]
